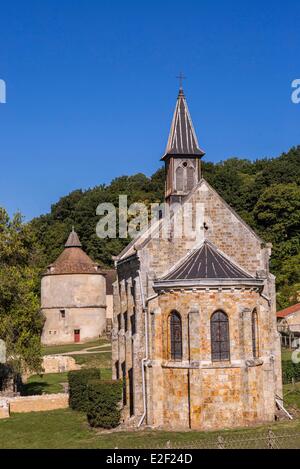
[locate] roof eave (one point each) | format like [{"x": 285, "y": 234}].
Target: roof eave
[
  {"x": 209, "y": 283},
  {"x": 126, "y": 259},
  {"x": 168, "y": 155}
]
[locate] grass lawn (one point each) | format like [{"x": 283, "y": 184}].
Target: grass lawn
[
  {"x": 286, "y": 355},
  {"x": 69, "y": 429},
  {"x": 94, "y": 360},
  {"x": 47, "y": 384},
  {"x": 57, "y": 349},
  {"x": 52, "y": 383},
  {"x": 291, "y": 393}
]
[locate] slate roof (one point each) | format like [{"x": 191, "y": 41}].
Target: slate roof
[
  {"x": 182, "y": 139},
  {"x": 206, "y": 263}
]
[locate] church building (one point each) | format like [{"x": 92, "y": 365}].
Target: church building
[{"x": 194, "y": 326}]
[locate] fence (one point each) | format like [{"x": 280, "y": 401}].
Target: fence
[{"x": 259, "y": 440}]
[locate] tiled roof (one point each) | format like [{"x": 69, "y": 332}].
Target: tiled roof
[
  {"x": 73, "y": 260},
  {"x": 206, "y": 263},
  {"x": 73, "y": 240},
  {"x": 287, "y": 311},
  {"x": 182, "y": 139}
]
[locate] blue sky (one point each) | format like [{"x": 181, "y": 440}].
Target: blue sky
[{"x": 91, "y": 87}]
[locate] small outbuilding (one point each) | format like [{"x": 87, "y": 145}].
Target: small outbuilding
[
  {"x": 288, "y": 323},
  {"x": 290, "y": 317},
  {"x": 73, "y": 297}
]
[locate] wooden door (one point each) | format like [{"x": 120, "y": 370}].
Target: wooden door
[{"x": 77, "y": 335}]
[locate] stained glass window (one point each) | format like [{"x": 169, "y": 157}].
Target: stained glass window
[
  {"x": 176, "y": 336},
  {"x": 220, "y": 344}
]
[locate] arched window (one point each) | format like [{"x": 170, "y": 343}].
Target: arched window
[
  {"x": 190, "y": 178},
  {"x": 179, "y": 179},
  {"x": 255, "y": 344},
  {"x": 175, "y": 336},
  {"x": 220, "y": 345}
]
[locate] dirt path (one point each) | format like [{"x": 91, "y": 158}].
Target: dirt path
[{"x": 89, "y": 350}]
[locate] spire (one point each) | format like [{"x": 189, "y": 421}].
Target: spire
[
  {"x": 73, "y": 240},
  {"x": 182, "y": 139}
]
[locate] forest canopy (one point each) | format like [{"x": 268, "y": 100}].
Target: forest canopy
[{"x": 265, "y": 193}]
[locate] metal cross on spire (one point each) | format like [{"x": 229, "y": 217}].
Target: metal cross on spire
[{"x": 181, "y": 77}]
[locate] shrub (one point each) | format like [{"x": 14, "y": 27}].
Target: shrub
[
  {"x": 104, "y": 403},
  {"x": 78, "y": 381},
  {"x": 290, "y": 370}
]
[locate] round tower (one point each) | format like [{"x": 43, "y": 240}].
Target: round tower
[{"x": 73, "y": 297}]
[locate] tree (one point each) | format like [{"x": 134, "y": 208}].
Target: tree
[
  {"x": 277, "y": 214},
  {"x": 20, "y": 320},
  {"x": 265, "y": 193}
]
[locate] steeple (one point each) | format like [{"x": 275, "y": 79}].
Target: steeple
[
  {"x": 183, "y": 153},
  {"x": 182, "y": 138}
]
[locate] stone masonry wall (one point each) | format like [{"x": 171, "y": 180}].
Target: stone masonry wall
[
  {"x": 128, "y": 346},
  {"x": 59, "y": 364},
  {"x": 82, "y": 298},
  {"x": 225, "y": 394},
  {"x": 39, "y": 403},
  {"x": 4, "y": 409},
  {"x": 224, "y": 229}
]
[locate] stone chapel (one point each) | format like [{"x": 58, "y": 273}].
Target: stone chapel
[{"x": 194, "y": 324}]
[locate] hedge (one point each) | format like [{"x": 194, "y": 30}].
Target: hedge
[
  {"x": 78, "y": 381},
  {"x": 104, "y": 403},
  {"x": 290, "y": 371}
]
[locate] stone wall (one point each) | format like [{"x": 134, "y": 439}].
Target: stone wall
[
  {"x": 59, "y": 364},
  {"x": 293, "y": 321},
  {"x": 196, "y": 392},
  {"x": 32, "y": 404},
  {"x": 54, "y": 364},
  {"x": 39, "y": 403},
  {"x": 91, "y": 322},
  {"x": 109, "y": 306},
  {"x": 73, "y": 290},
  {"x": 4, "y": 409},
  {"x": 73, "y": 302}
]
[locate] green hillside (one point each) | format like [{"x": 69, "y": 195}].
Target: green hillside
[{"x": 266, "y": 193}]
